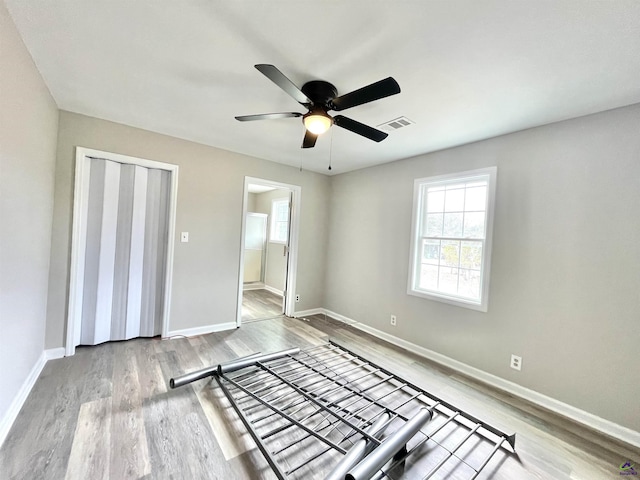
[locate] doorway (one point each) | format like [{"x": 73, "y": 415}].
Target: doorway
[
  {"x": 122, "y": 248},
  {"x": 269, "y": 250}
]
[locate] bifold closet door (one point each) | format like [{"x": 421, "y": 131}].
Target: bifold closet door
[{"x": 125, "y": 252}]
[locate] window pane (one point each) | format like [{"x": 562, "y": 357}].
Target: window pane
[
  {"x": 471, "y": 255},
  {"x": 434, "y": 225},
  {"x": 282, "y": 231},
  {"x": 431, "y": 251},
  {"x": 448, "y": 280},
  {"x": 473, "y": 225},
  {"x": 454, "y": 200},
  {"x": 450, "y": 253},
  {"x": 279, "y": 220},
  {"x": 428, "y": 277},
  {"x": 282, "y": 212},
  {"x": 469, "y": 285},
  {"x": 435, "y": 201},
  {"x": 453, "y": 225},
  {"x": 476, "y": 199}
]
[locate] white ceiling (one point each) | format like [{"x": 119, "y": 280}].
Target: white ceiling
[{"x": 468, "y": 69}]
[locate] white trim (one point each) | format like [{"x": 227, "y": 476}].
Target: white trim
[
  {"x": 78, "y": 242},
  {"x": 191, "y": 332},
  {"x": 78, "y": 248},
  {"x": 294, "y": 234},
  {"x": 253, "y": 286},
  {"x": 342, "y": 318},
  {"x": 582, "y": 417},
  {"x": 324, "y": 311},
  {"x": 308, "y": 313},
  {"x": 54, "y": 353},
  {"x": 18, "y": 401},
  {"x": 173, "y": 207},
  {"x": 274, "y": 290}
]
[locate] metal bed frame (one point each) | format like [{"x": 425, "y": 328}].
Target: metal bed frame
[{"x": 327, "y": 412}]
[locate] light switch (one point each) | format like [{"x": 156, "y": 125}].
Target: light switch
[{"x": 184, "y": 237}]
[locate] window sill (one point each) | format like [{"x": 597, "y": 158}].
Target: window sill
[{"x": 455, "y": 301}]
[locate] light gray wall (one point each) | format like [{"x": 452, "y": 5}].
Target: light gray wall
[
  {"x": 28, "y": 129},
  {"x": 276, "y": 266},
  {"x": 210, "y": 193},
  {"x": 565, "y": 278}
]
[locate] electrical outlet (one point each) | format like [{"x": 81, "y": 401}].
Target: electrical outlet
[
  {"x": 393, "y": 320},
  {"x": 297, "y": 298},
  {"x": 516, "y": 362}
]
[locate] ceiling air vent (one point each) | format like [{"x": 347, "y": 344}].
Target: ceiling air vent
[{"x": 395, "y": 124}]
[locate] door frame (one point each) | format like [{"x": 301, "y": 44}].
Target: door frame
[
  {"x": 294, "y": 233},
  {"x": 79, "y": 240}
]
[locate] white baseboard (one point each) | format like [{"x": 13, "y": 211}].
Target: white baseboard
[
  {"x": 308, "y": 313},
  {"x": 253, "y": 286},
  {"x": 342, "y": 318},
  {"x": 191, "y": 332},
  {"x": 580, "y": 416},
  {"x": 271, "y": 289},
  {"x": 54, "y": 353},
  {"x": 324, "y": 311},
  {"x": 21, "y": 397}
]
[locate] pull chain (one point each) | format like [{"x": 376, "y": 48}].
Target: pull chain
[
  {"x": 330, "y": 148},
  {"x": 301, "y": 155}
]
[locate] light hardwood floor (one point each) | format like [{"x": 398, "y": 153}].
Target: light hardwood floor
[
  {"x": 260, "y": 304},
  {"x": 107, "y": 412}
]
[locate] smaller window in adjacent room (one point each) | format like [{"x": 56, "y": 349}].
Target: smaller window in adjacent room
[
  {"x": 451, "y": 237},
  {"x": 279, "y": 220}
]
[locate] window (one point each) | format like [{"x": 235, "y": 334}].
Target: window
[
  {"x": 279, "y": 220},
  {"x": 451, "y": 238}
]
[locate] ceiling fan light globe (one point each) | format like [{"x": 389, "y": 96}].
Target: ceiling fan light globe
[{"x": 317, "y": 124}]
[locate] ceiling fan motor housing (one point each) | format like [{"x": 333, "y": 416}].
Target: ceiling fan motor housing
[{"x": 320, "y": 93}]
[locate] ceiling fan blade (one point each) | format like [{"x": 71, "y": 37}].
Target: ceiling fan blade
[
  {"x": 277, "y": 77},
  {"x": 309, "y": 139},
  {"x": 268, "y": 116},
  {"x": 375, "y": 91},
  {"x": 359, "y": 128}
]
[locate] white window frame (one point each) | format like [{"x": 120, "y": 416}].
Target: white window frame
[
  {"x": 274, "y": 222},
  {"x": 420, "y": 185}
]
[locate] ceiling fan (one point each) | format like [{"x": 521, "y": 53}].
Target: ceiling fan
[{"x": 318, "y": 97}]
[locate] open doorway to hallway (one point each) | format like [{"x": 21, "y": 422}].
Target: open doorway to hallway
[{"x": 268, "y": 249}]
